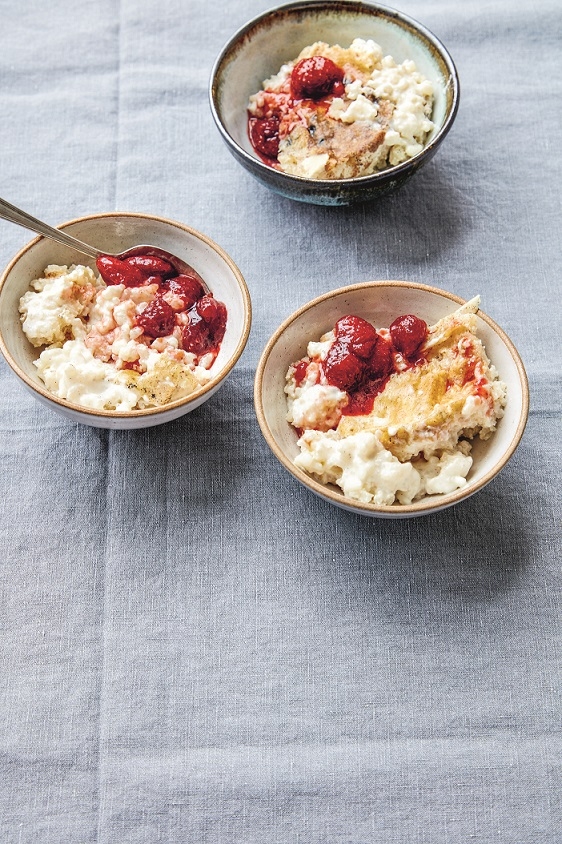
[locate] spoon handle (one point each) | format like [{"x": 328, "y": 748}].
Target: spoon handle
[{"x": 21, "y": 218}]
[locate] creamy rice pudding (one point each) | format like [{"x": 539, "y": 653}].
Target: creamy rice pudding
[
  {"x": 388, "y": 415},
  {"x": 335, "y": 113},
  {"x": 137, "y": 334}
]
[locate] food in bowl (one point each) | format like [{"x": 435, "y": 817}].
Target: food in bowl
[
  {"x": 340, "y": 113},
  {"x": 388, "y": 414},
  {"x": 135, "y": 335}
]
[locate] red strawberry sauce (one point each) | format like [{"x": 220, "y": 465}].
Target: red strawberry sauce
[
  {"x": 312, "y": 85},
  {"x": 181, "y": 300},
  {"x": 360, "y": 360}
]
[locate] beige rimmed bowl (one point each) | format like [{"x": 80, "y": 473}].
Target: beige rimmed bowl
[
  {"x": 115, "y": 232},
  {"x": 259, "y": 49},
  {"x": 381, "y": 302}
]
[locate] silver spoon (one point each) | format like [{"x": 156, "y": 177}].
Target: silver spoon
[{"x": 21, "y": 218}]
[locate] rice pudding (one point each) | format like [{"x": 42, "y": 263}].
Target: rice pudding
[
  {"x": 339, "y": 113},
  {"x": 389, "y": 414},
  {"x": 133, "y": 335}
]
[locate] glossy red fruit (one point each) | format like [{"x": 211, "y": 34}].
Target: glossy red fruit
[
  {"x": 338, "y": 89},
  {"x": 187, "y": 288},
  {"x": 264, "y": 135},
  {"x": 195, "y": 335},
  {"x": 342, "y": 368},
  {"x": 407, "y": 333},
  {"x": 158, "y": 318},
  {"x": 211, "y": 311},
  {"x": 314, "y": 78},
  {"x": 206, "y": 327},
  {"x": 151, "y": 265},
  {"x": 115, "y": 271},
  {"x": 359, "y": 334},
  {"x": 381, "y": 362}
]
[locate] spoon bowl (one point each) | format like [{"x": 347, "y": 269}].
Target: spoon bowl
[{"x": 147, "y": 249}]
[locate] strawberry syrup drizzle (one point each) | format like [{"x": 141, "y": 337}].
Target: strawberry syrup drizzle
[
  {"x": 361, "y": 359},
  {"x": 311, "y": 87},
  {"x": 200, "y": 317}
]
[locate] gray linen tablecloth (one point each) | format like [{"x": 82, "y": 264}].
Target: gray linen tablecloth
[{"x": 193, "y": 647}]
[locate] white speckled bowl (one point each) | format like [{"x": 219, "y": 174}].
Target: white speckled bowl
[
  {"x": 114, "y": 232},
  {"x": 381, "y": 302},
  {"x": 261, "y": 46}
]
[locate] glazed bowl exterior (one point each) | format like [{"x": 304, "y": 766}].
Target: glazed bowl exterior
[
  {"x": 258, "y": 50},
  {"x": 115, "y": 232},
  {"x": 381, "y": 302}
]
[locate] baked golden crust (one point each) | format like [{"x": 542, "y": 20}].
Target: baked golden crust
[
  {"x": 454, "y": 392},
  {"x": 350, "y": 147}
]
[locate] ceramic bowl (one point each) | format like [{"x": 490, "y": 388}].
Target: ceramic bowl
[
  {"x": 114, "y": 232},
  {"x": 381, "y": 302},
  {"x": 258, "y": 50}
]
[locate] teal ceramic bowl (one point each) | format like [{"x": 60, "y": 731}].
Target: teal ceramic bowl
[{"x": 263, "y": 45}]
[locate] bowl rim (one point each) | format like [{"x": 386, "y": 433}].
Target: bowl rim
[
  {"x": 424, "y": 506},
  {"x": 150, "y": 411},
  {"x": 353, "y": 5}
]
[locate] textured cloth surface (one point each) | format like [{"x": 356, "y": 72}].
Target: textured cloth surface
[{"x": 193, "y": 647}]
